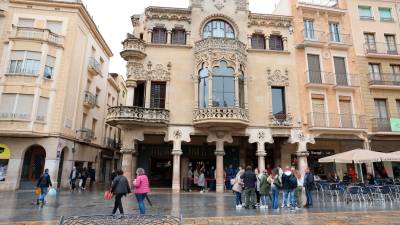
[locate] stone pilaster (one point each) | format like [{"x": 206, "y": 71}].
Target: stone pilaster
[
  {"x": 298, "y": 136},
  {"x": 260, "y": 136},
  {"x": 129, "y": 151}
]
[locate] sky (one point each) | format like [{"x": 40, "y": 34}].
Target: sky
[{"x": 113, "y": 20}]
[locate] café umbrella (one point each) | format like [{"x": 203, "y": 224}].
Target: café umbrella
[
  {"x": 392, "y": 157},
  {"x": 357, "y": 156}
]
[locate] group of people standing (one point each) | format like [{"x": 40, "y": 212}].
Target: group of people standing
[
  {"x": 78, "y": 179},
  {"x": 260, "y": 187}
]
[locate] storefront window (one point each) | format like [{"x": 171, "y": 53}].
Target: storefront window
[{"x": 4, "y": 158}]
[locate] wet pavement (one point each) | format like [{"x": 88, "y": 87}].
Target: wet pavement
[{"x": 194, "y": 207}]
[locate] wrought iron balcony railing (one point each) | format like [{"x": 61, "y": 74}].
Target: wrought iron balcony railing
[
  {"x": 320, "y": 77},
  {"x": 347, "y": 80},
  {"x": 135, "y": 114},
  {"x": 94, "y": 66},
  {"x": 86, "y": 134},
  {"x": 333, "y": 120},
  {"x": 112, "y": 143},
  {"x": 314, "y": 35},
  {"x": 38, "y": 34},
  {"x": 381, "y": 125},
  {"x": 340, "y": 39},
  {"x": 387, "y": 79},
  {"x": 90, "y": 99},
  {"x": 380, "y": 48},
  {"x": 323, "y": 3}
]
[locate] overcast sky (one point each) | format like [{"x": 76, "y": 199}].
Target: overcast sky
[{"x": 113, "y": 19}]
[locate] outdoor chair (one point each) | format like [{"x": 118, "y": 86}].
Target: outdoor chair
[
  {"x": 382, "y": 193},
  {"x": 366, "y": 193},
  {"x": 354, "y": 192},
  {"x": 395, "y": 191}
]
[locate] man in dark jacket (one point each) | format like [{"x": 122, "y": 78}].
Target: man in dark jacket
[
  {"x": 120, "y": 187},
  {"x": 289, "y": 185},
  {"x": 43, "y": 183},
  {"x": 308, "y": 186},
  {"x": 249, "y": 179}
]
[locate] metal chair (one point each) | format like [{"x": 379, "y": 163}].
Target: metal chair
[{"x": 354, "y": 192}]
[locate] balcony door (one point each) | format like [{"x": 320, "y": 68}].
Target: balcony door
[
  {"x": 391, "y": 44},
  {"x": 382, "y": 116},
  {"x": 140, "y": 93},
  {"x": 346, "y": 112},
  {"x": 314, "y": 69},
  {"x": 318, "y": 112},
  {"x": 340, "y": 71},
  {"x": 396, "y": 74},
  {"x": 278, "y": 103},
  {"x": 375, "y": 71},
  {"x": 334, "y": 31},
  {"x": 157, "y": 99},
  {"x": 309, "y": 32},
  {"x": 370, "y": 43}
]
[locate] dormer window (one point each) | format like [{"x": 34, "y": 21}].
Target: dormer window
[
  {"x": 218, "y": 29},
  {"x": 159, "y": 36}
]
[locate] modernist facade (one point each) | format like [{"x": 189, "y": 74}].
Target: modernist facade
[{"x": 54, "y": 86}]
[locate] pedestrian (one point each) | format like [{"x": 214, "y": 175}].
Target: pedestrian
[
  {"x": 119, "y": 188},
  {"x": 73, "y": 176},
  {"x": 84, "y": 177},
  {"x": 231, "y": 172},
  {"x": 237, "y": 188},
  {"x": 264, "y": 189},
  {"x": 289, "y": 185},
  {"x": 202, "y": 181},
  {"x": 141, "y": 184},
  {"x": 190, "y": 179},
  {"x": 212, "y": 178},
  {"x": 196, "y": 175},
  {"x": 258, "y": 175},
  {"x": 92, "y": 175},
  {"x": 113, "y": 175},
  {"x": 308, "y": 186},
  {"x": 299, "y": 189},
  {"x": 276, "y": 185},
  {"x": 249, "y": 180},
  {"x": 43, "y": 183}
]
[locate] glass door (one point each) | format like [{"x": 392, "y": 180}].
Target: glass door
[
  {"x": 309, "y": 30},
  {"x": 334, "y": 31}
]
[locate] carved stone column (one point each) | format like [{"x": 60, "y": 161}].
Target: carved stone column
[
  {"x": 187, "y": 37},
  {"x": 237, "y": 90},
  {"x": 149, "y": 35},
  {"x": 249, "y": 41},
  {"x": 177, "y": 135},
  {"x": 127, "y": 163},
  {"x": 210, "y": 96},
  {"x": 169, "y": 33},
  {"x": 297, "y": 136},
  {"x": 131, "y": 85},
  {"x": 260, "y": 136},
  {"x": 285, "y": 44},
  {"x": 267, "y": 43},
  {"x": 367, "y": 146},
  {"x": 148, "y": 94},
  {"x": 129, "y": 151}
]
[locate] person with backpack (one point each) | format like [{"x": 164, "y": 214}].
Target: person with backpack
[
  {"x": 289, "y": 185},
  {"x": 308, "y": 186},
  {"x": 276, "y": 184},
  {"x": 43, "y": 183},
  {"x": 264, "y": 190},
  {"x": 249, "y": 180}
]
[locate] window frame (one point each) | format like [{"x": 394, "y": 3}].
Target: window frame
[
  {"x": 224, "y": 91},
  {"x": 256, "y": 39},
  {"x": 178, "y": 41},
  {"x": 24, "y": 69},
  {"x": 14, "y": 113},
  {"x": 212, "y": 27},
  {"x": 371, "y": 15},
  {"x": 156, "y": 39},
  {"x": 277, "y": 44},
  {"x": 385, "y": 19},
  {"x": 283, "y": 100}
]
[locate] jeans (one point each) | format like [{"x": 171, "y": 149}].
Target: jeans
[
  {"x": 258, "y": 197},
  {"x": 140, "y": 200},
  {"x": 264, "y": 199},
  {"x": 286, "y": 195},
  {"x": 238, "y": 198},
  {"x": 299, "y": 202},
  {"x": 118, "y": 204},
  {"x": 43, "y": 193},
  {"x": 250, "y": 194},
  {"x": 275, "y": 197},
  {"x": 309, "y": 197}
]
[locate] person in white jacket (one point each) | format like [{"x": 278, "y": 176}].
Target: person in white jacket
[{"x": 237, "y": 188}]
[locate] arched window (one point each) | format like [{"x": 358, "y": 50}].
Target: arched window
[
  {"x": 223, "y": 86},
  {"x": 219, "y": 29},
  {"x": 257, "y": 41},
  {"x": 241, "y": 88},
  {"x": 203, "y": 87}
]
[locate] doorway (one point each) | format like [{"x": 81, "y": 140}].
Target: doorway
[
  {"x": 60, "y": 168},
  {"x": 33, "y": 166}
]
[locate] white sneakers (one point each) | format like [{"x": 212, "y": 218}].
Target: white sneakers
[
  {"x": 264, "y": 207},
  {"x": 238, "y": 206}
]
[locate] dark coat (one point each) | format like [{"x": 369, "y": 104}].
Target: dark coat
[
  {"x": 286, "y": 181},
  {"x": 249, "y": 179},
  {"x": 44, "y": 181},
  {"x": 120, "y": 185},
  {"x": 309, "y": 181}
]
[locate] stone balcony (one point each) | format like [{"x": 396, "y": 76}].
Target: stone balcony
[
  {"x": 30, "y": 33},
  {"x": 134, "y": 115},
  {"x": 94, "y": 67},
  {"x": 89, "y": 100},
  {"x": 133, "y": 48},
  {"x": 227, "y": 117}
]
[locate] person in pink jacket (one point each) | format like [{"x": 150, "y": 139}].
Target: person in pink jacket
[{"x": 141, "y": 184}]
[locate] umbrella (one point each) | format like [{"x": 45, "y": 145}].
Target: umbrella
[{"x": 392, "y": 157}]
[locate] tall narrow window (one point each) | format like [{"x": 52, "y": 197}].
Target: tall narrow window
[
  {"x": 398, "y": 107},
  {"x": 391, "y": 44},
  {"x": 49, "y": 67},
  {"x": 309, "y": 32},
  {"x": 203, "y": 87},
  {"x": 375, "y": 71},
  {"x": 241, "y": 89},
  {"x": 84, "y": 118},
  {"x": 97, "y": 96},
  {"x": 334, "y": 32},
  {"x": 340, "y": 71},
  {"x": 346, "y": 112},
  {"x": 42, "y": 109},
  {"x": 157, "y": 99},
  {"x": 94, "y": 124},
  {"x": 319, "y": 117},
  {"x": 178, "y": 36},
  {"x": 370, "y": 43},
  {"x": 140, "y": 94},
  {"x": 223, "y": 86},
  {"x": 258, "y": 41},
  {"x": 218, "y": 29},
  {"x": 396, "y": 74},
  {"x": 314, "y": 69},
  {"x": 276, "y": 42},
  {"x": 381, "y": 108},
  {"x": 159, "y": 36},
  {"x": 278, "y": 102}
]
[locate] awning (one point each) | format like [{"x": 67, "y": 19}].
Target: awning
[
  {"x": 356, "y": 156},
  {"x": 392, "y": 157},
  {"x": 5, "y": 152}
]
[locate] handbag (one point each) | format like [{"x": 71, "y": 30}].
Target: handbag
[
  {"x": 38, "y": 191},
  {"x": 108, "y": 195}
]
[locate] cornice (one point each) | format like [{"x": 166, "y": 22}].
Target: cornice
[
  {"x": 270, "y": 20},
  {"x": 165, "y": 13}
]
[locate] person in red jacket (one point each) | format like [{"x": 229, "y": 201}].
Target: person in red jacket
[{"x": 142, "y": 187}]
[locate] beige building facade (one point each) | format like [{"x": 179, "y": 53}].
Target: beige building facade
[{"x": 54, "y": 86}]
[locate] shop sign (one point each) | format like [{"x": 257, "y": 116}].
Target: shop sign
[
  {"x": 395, "y": 124},
  {"x": 5, "y": 152}
]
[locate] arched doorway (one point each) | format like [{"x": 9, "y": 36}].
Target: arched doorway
[
  {"x": 33, "y": 166},
  {"x": 60, "y": 167}
]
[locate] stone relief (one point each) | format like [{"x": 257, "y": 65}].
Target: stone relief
[
  {"x": 241, "y": 5},
  {"x": 286, "y": 120},
  {"x": 137, "y": 71},
  {"x": 276, "y": 78},
  {"x": 269, "y": 21},
  {"x": 219, "y": 4}
]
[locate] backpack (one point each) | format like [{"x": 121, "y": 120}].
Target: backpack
[{"x": 292, "y": 182}]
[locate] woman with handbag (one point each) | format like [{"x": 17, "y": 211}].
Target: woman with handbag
[{"x": 119, "y": 188}]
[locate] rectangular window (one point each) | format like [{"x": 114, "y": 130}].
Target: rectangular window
[
  {"x": 381, "y": 109},
  {"x": 49, "y": 67},
  {"x": 258, "y": 41},
  {"x": 54, "y": 26},
  {"x": 375, "y": 71},
  {"x": 24, "y": 62},
  {"x": 396, "y": 74},
  {"x": 309, "y": 32},
  {"x": 314, "y": 69},
  {"x": 319, "y": 117},
  {"x": 334, "y": 32},
  {"x": 97, "y": 96},
  {"x": 7, "y": 106},
  {"x": 385, "y": 14},
  {"x": 84, "y": 117},
  {"x": 391, "y": 44},
  {"x": 42, "y": 109},
  {"x": 178, "y": 37},
  {"x": 157, "y": 99},
  {"x": 94, "y": 124},
  {"x": 24, "y": 22},
  {"x": 365, "y": 12},
  {"x": 346, "y": 112},
  {"x": 340, "y": 71},
  {"x": 159, "y": 36},
  {"x": 275, "y": 42},
  {"x": 278, "y": 102},
  {"x": 140, "y": 95},
  {"x": 370, "y": 43},
  {"x": 16, "y": 106}
]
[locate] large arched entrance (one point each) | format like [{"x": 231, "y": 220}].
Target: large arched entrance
[{"x": 33, "y": 166}]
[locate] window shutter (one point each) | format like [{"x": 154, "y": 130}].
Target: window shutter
[
  {"x": 50, "y": 61},
  {"x": 42, "y": 109},
  {"x": 24, "y": 106},
  {"x": 17, "y": 55},
  {"x": 33, "y": 55},
  {"x": 7, "y": 105},
  {"x": 26, "y": 22},
  {"x": 54, "y": 26}
]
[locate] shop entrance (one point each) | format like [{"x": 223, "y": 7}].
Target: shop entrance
[{"x": 33, "y": 166}]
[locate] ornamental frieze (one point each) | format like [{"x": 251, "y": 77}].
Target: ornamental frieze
[
  {"x": 270, "y": 20},
  {"x": 162, "y": 13},
  {"x": 159, "y": 72},
  {"x": 277, "y": 77}
]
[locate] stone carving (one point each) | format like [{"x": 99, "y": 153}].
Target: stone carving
[
  {"x": 276, "y": 78},
  {"x": 137, "y": 114},
  {"x": 170, "y": 14},
  {"x": 221, "y": 114},
  {"x": 177, "y": 134},
  {"x": 297, "y": 136},
  {"x": 260, "y": 136},
  {"x": 241, "y": 5},
  {"x": 219, "y": 4},
  {"x": 136, "y": 71},
  {"x": 133, "y": 48},
  {"x": 281, "y": 120},
  {"x": 135, "y": 20},
  {"x": 269, "y": 20}
]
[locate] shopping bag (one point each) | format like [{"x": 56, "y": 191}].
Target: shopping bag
[
  {"x": 52, "y": 192},
  {"x": 108, "y": 195},
  {"x": 37, "y": 191}
]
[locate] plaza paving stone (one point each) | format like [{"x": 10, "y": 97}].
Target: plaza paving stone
[{"x": 196, "y": 208}]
